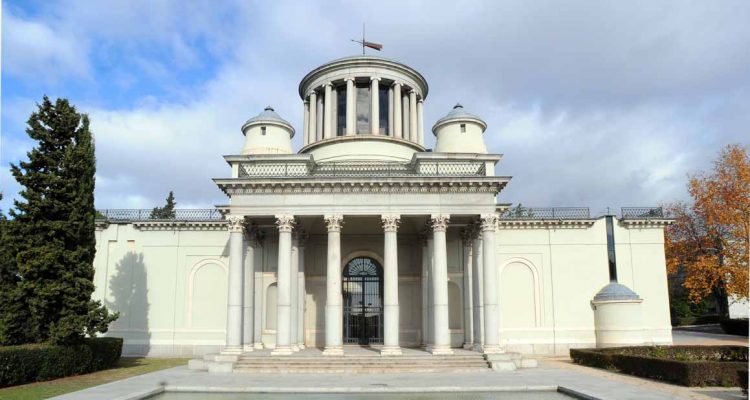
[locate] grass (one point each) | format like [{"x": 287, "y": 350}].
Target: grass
[{"x": 125, "y": 368}]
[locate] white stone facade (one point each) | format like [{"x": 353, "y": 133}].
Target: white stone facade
[{"x": 364, "y": 238}]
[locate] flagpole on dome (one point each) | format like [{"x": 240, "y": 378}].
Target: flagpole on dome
[{"x": 365, "y": 43}]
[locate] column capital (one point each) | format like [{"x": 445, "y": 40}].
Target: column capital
[
  {"x": 468, "y": 234},
  {"x": 420, "y": 100},
  {"x": 334, "y": 222},
  {"x": 326, "y": 84},
  {"x": 253, "y": 235},
  {"x": 306, "y": 100},
  {"x": 397, "y": 83},
  {"x": 285, "y": 223},
  {"x": 236, "y": 223},
  {"x": 439, "y": 222},
  {"x": 488, "y": 222},
  {"x": 312, "y": 93},
  {"x": 390, "y": 222},
  {"x": 300, "y": 235},
  {"x": 349, "y": 78},
  {"x": 375, "y": 78}
]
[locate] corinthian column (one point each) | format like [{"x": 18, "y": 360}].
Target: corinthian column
[
  {"x": 390, "y": 283},
  {"x": 334, "y": 311},
  {"x": 248, "y": 318},
  {"x": 351, "y": 118},
  {"x": 327, "y": 111},
  {"x": 374, "y": 106},
  {"x": 441, "y": 333},
  {"x": 466, "y": 238},
  {"x": 420, "y": 122},
  {"x": 293, "y": 293},
  {"x": 413, "y": 135},
  {"x": 285, "y": 224},
  {"x": 312, "y": 124},
  {"x": 301, "y": 291},
  {"x": 306, "y": 124},
  {"x": 491, "y": 331},
  {"x": 234, "y": 298},
  {"x": 478, "y": 290},
  {"x": 397, "y": 128}
]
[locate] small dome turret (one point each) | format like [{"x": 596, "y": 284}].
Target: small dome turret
[
  {"x": 460, "y": 132},
  {"x": 267, "y": 133}
]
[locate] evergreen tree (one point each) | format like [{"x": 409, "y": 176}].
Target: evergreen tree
[
  {"x": 53, "y": 227},
  {"x": 13, "y": 311},
  {"x": 166, "y": 212}
]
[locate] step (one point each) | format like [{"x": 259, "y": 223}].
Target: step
[{"x": 241, "y": 369}]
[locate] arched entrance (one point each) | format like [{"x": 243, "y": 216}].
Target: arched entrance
[{"x": 363, "y": 301}]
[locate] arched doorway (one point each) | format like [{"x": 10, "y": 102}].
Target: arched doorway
[{"x": 363, "y": 301}]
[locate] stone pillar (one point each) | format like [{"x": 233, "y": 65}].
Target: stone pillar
[
  {"x": 334, "y": 112},
  {"x": 426, "y": 256},
  {"x": 234, "y": 298},
  {"x": 258, "y": 309},
  {"x": 334, "y": 310},
  {"x": 301, "y": 303},
  {"x": 442, "y": 340},
  {"x": 306, "y": 124},
  {"x": 420, "y": 122},
  {"x": 405, "y": 119},
  {"x": 374, "y": 106},
  {"x": 397, "y": 125},
  {"x": 248, "y": 295},
  {"x": 327, "y": 111},
  {"x": 390, "y": 111},
  {"x": 413, "y": 135},
  {"x": 294, "y": 293},
  {"x": 466, "y": 239},
  {"x": 312, "y": 124},
  {"x": 491, "y": 330},
  {"x": 320, "y": 119},
  {"x": 285, "y": 224},
  {"x": 351, "y": 118},
  {"x": 390, "y": 286},
  {"x": 430, "y": 291},
  {"x": 478, "y": 291}
]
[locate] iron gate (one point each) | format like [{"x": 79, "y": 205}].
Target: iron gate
[{"x": 363, "y": 301}]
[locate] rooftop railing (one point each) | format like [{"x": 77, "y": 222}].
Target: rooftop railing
[
  {"x": 540, "y": 213},
  {"x": 135, "y": 215},
  {"x": 643, "y": 213},
  {"x": 291, "y": 169}
]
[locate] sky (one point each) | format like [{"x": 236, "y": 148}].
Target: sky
[{"x": 598, "y": 104}]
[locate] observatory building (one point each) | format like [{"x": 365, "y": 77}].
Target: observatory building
[{"x": 364, "y": 237}]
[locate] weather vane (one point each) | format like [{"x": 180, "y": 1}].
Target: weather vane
[{"x": 365, "y": 43}]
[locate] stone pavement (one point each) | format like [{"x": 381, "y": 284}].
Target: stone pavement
[
  {"x": 685, "y": 337},
  {"x": 550, "y": 374}
]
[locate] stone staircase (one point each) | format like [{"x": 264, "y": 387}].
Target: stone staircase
[{"x": 360, "y": 362}]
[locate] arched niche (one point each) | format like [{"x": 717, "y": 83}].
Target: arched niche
[
  {"x": 520, "y": 293},
  {"x": 207, "y": 295},
  {"x": 271, "y": 301},
  {"x": 455, "y": 306}
]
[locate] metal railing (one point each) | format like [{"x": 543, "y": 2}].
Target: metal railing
[
  {"x": 130, "y": 215},
  {"x": 540, "y": 213},
  {"x": 643, "y": 213},
  {"x": 360, "y": 168}
]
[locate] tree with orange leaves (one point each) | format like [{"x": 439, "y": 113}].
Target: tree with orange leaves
[{"x": 709, "y": 243}]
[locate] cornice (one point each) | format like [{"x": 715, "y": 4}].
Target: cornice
[
  {"x": 181, "y": 225},
  {"x": 646, "y": 223},
  {"x": 544, "y": 223},
  {"x": 375, "y": 185}
]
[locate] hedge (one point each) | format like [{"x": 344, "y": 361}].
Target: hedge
[
  {"x": 735, "y": 326},
  {"x": 41, "y": 362},
  {"x": 684, "y": 365}
]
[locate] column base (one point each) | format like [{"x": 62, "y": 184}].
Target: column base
[
  {"x": 301, "y": 346},
  {"x": 440, "y": 350},
  {"x": 258, "y": 346},
  {"x": 333, "y": 351},
  {"x": 492, "y": 349},
  {"x": 390, "y": 351},
  {"x": 468, "y": 345},
  {"x": 478, "y": 347},
  {"x": 282, "y": 351},
  {"x": 231, "y": 350},
  {"x": 295, "y": 348},
  {"x": 246, "y": 348}
]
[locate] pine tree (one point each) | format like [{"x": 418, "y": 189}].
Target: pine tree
[
  {"x": 13, "y": 311},
  {"x": 166, "y": 212},
  {"x": 53, "y": 227}
]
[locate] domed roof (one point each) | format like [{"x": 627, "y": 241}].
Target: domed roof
[
  {"x": 616, "y": 291},
  {"x": 267, "y": 116},
  {"x": 459, "y": 114}
]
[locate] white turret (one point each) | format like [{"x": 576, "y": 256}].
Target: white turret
[
  {"x": 460, "y": 132},
  {"x": 267, "y": 133}
]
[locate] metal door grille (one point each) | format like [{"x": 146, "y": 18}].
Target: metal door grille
[{"x": 363, "y": 302}]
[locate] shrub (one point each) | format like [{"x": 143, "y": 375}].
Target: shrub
[
  {"x": 735, "y": 326},
  {"x": 685, "y": 365},
  {"x": 41, "y": 362}
]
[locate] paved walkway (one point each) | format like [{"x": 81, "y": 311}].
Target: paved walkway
[{"x": 686, "y": 337}]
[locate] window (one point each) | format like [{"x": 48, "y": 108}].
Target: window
[
  {"x": 463, "y": 128},
  {"x": 362, "y": 108},
  {"x": 341, "y": 111},
  {"x": 263, "y": 130},
  {"x": 383, "y": 109}
]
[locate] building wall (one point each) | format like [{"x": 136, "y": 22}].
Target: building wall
[{"x": 170, "y": 286}]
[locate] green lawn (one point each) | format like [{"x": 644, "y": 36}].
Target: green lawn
[{"x": 126, "y": 368}]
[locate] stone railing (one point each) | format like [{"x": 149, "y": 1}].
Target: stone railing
[
  {"x": 134, "y": 215},
  {"x": 302, "y": 168}
]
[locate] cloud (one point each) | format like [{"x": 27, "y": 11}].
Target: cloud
[{"x": 34, "y": 50}]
